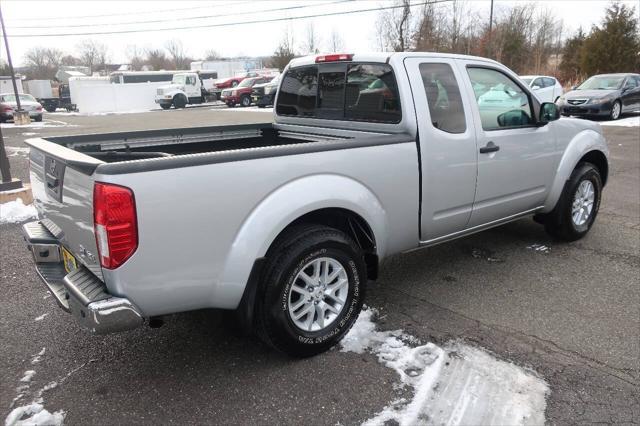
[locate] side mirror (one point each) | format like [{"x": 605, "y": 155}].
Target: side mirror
[
  {"x": 574, "y": 87},
  {"x": 548, "y": 112},
  {"x": 535, "y": 87}
]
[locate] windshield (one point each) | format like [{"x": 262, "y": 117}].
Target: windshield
[
  {"x": 23, "y": 98},
  {"x": 247, "y": 82},
  {"x": 602, "y": 83},
  {"x": 276, "y": 80},
  {"x": 527, "y": 80},
  {"x": 178, "y": 79}
]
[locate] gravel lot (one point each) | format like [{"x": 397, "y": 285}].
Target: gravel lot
[{"x": 571, "y": 312}]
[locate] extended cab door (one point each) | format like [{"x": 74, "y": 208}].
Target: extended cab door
[
  {"x": 448, "y": 152},
  {"x": 516, "y": 157}
]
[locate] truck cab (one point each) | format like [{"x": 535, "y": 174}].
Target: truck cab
[{"x": 185, "y": 88}]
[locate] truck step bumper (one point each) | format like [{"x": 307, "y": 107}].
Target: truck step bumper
[{"x": 79, "y": 292}]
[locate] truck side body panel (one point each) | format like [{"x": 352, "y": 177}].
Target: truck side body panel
[{"x": 192, "y": 253}]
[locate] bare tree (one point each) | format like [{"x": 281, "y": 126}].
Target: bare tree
[
  {"x": 135, "y": 57},
  {"x": 394, "y": 27},
  {"x": 311, "y": 41},
  {"x": 335, "y": 42},
  {"x": 430, "y": 34},
  {"x": 156, "y": 59},
  {"x": 212, "y": 55},
  {"x": 43, "y": 62},
  {"x": 92, "y": 54},
  {"x": 177, "y": 54},
  {"x": 284, "y": 53}
]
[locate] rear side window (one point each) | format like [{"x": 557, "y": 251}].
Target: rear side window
[
  {"x": 443, "y": 97},
  {"x": 371, "y": 93},
  {"x": 341, "y": 91},
  {"x": 298, "y": 92},
  {"x": 549, "y": 82}
]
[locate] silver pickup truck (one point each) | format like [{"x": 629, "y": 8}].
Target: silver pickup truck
[{"x": 284, "y": 223}]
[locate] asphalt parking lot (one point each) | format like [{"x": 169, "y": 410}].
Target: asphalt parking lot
[{"x": 570, "y": 312}]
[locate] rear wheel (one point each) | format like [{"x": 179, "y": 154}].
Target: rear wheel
[
  {"x": 38, "y": 117},
  {"x": 50, "y": 108},
  {"x": 179, "y": 101},
  {"x": 312, "y": 290},
  {"x": 578, "y": 205}
]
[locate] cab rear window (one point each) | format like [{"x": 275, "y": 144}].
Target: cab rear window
[{"x": 341, "y": 91}]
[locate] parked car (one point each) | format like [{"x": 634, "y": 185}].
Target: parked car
[
  {"x": 264, "y": 94},
  {"x": 241, "y": 94},
  {"x": 28, "y": 103},
  {"x": 285, "y": 223},
  {"x": 604, "y": 95},
  {"x": 546, "y": 88}
]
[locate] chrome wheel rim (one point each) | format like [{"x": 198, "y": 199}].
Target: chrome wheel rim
[
  {"x": 582, "y": 205},
  {"x": 318, "y": 294},
  {"x": 616, "y": 111}
]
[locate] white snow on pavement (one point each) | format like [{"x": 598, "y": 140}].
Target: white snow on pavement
[
  {"x": 41, "y": 317},
  {"x": 16, "y": 211},
  {"x": 28, "y": 375},
  {"x": 38, "y": 124},
  {"x": 14, "y": 151},
  {"x": 249, "y": 109},
  {"x": 37, "y": 358},
  {"x": 35, "y": 414},
  {"x": 456, "y": 384},
  {"x": 624, "y": 122}
]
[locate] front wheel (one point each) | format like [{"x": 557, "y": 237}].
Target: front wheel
[
  {"x": 578, "y": 205},
  {"x": 312, "y": 290},
  {"x": 165, "y": 106},
  {"x": 179, "y": 101},
  {"x": 245, "y": 101},
  {"x": 616, "y": 109}
]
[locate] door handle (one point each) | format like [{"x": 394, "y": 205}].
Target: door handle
[{"x": 490, "y": 147}]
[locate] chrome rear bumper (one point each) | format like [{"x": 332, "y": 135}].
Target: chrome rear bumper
[{"x": 80, "y": 292}]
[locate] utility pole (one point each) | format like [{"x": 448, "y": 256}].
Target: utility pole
[
  {"x": 490, "y": 41},
  {"x": 7, "y": 183}
]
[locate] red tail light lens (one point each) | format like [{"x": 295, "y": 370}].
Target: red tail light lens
[
  {"x": 116, "y": 224},
  {"x": 334, "y": 58}
]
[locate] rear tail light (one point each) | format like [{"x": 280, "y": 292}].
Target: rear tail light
[
  {"x": 334, "y": 58},
  {"x": 6, "y": 108},
  {"x": 39, "y": 108},
  {"x": 115, "y": 221}
]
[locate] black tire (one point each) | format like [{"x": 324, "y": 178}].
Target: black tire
[
  {"x": 179, "y": 101},
  {"x": 50, "y": 108},
  {"x": 38, "y": 117},
  {"x": 290, "y": 254},
  {"x": 261, "y": 106},
  {"x": 612, "y": 114},
  {"x": 559, "y": 222},
  {"x": 165, "y": 106},
  {"x": 245, "y": 101}
]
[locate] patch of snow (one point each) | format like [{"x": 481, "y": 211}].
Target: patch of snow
[
  {"x": 41, "y": 317},
  {"x": 624, "y": 122},
  {"x": 14, "y": 151},
  {"x": 249, "y": 109},
  {"x": 539, "y": 247},
  {"x": 28, "y": 375},
  {"x": 37, "y": 358},
  {"x": 34, "y": 414},
  {"x": 455, "y": 384},
  {"x": 30, "y": 134},
  {"x": 38, "y": 124},
  {"x": 16, "y": 211}
]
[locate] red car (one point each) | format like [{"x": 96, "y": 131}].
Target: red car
[
  {"x": 227, "y": 83},
  {"x": 241, "y": 94}
]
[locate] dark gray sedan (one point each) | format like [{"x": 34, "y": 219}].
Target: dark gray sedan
[
  {"x": 28, "y": 103},
  {"x": 604, "y": 95}
]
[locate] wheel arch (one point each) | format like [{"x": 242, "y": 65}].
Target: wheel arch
[
  {"x": 332, "y": 200},
  {"x": 588, "y": 146}
]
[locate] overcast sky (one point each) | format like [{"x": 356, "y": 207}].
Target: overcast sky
[{"x": 45, "y": 18}]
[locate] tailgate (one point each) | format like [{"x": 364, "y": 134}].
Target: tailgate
[{"x": 62, "y": 184}]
